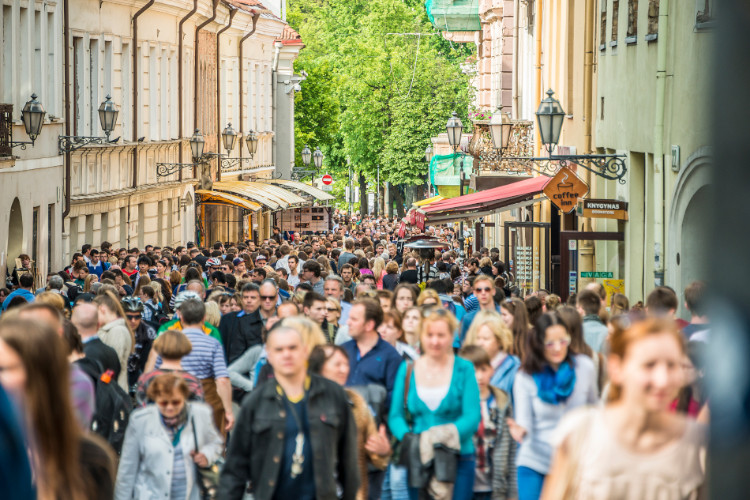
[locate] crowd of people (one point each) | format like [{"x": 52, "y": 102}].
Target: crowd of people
[{"x": 343, "y": 365}]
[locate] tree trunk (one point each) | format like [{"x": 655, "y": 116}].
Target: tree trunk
[
  {"x": 399, "y": 199},
  {"x": 363, "y": 202}
]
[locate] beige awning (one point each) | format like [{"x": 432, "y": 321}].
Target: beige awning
[
  {"x": 228, "y": 199},
  {"x": 316, "y": 193},
  {"x": 272, "y": 197}
]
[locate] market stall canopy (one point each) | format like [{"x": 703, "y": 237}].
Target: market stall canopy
[
  {"x": 517, "y": 194},
  {"x": 272, "y": 197},
  {"x": 316, "y": 193},
  {"x": 422, "y": 241},
  {"x": 227, "y": 199}
]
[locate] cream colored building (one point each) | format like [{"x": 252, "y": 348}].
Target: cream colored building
[
  {"x": 653, "y": 76},
  {"x": 143, "y": 54}
]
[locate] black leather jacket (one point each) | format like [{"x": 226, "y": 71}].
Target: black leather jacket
[{"x": 257, "y": 442}]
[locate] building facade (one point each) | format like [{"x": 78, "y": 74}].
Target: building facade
[{"x": 171, "y": 68}]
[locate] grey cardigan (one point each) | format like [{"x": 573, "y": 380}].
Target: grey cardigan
[
  {"x": 145, "y": 469},
  {"x": 242, "y": 369}
]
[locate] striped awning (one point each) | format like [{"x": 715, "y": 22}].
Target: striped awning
[
  {"x": 272, "y": 197},
  {"x": 227, "y": 199},
  {"x": 316, "y": 193}
]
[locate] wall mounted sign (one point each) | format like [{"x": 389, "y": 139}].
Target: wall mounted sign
[
  {"x": 603, "y": 209},
  {"x": 564, "y": 190}
]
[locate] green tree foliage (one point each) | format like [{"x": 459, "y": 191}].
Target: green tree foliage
[{"x": 372, "y": 95}]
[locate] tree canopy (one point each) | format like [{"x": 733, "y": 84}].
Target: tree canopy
[{"x": 376, "y": 91}]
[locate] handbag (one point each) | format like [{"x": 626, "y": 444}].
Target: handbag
[{"x": 207, "y": 478}]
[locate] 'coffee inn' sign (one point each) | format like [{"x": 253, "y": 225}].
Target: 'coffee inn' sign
[{"x": 564, "y": 190}]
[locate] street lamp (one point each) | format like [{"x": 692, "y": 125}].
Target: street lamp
[
  {"x": 107, "y": 117},
  {"x": 455, "y": 129},
  {"x": 550, "y": 116},
  {"x": 306, "y": 155},
  {"x": 33, "y": 118},
  {"x": 428, "y": 154},
  {"x": 252, "y": 143},
  {"x": 229, "y": 136},
  {"x": 500, "y": 128},
  {"x": 197, "y": 142},
  {"x": 318, "y": 158}
]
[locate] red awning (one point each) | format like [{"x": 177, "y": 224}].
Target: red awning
[{"x": 487, "y": 200}]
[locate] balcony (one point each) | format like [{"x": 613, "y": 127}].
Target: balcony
[
  {"x": 489, "y": 159},
  {"x": 454, "y": 15}
]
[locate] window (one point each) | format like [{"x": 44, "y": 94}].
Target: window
[
  {"x": 93, "y": 94},
  {"x": 704, "y": 14},
  {"x": 164, "y": 101},
  {"x": 126, "y": 79},
  {"x": 124, "y": 227},
  {"x": 40, "y": 82},
  {"x": 78, "y": 82},
  {"x": 104, "y": 227},
  {"x": 632, "y": 33},
  {"x": 615, "y": 16},
  {"x": 7, "y": 55},
  {"x": 153, "y": 96},
  {"x": 53, "y": 74},
  {"x": 107, "y": 78}
]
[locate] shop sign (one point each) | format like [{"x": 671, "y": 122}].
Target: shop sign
[
  {"x": 564, "y": 190},
  {"x": 572, "y": 282},
  {"x": 596, "y": 274},
  {"x": 603, "y": 209}
]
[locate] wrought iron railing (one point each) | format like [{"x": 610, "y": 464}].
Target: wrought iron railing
[{"x": 491, "y": 160}]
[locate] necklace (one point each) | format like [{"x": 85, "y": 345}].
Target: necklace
[{"x": 298, "y": 457}]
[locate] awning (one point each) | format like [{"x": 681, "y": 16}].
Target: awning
[
  {"x": 316, "y": 193},
  {"x": 434, "y": 199},
  {"x": 272, "y": 197},
  {"x": 517, "y": 194},
  {"x": 228, "y": 199}
]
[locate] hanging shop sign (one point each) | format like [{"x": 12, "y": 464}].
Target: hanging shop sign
[
  {"x": 603, "y": 209},
  {"x": 564, "y": 190}
]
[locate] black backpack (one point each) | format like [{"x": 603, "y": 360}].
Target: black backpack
[
  {"x": 112, "y": 404},
  {"x": 158, "y": 317}
]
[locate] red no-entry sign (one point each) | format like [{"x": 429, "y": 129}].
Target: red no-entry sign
[{"x": 327, "y": 180}]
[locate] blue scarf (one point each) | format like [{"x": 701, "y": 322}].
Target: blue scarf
[{"x": 554, "y": 387}]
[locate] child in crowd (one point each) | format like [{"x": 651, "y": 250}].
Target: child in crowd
[{"x": 495, "y": 473}]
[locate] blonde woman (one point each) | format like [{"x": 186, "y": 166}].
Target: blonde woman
[
  {"x": 115, "y": 332},
  {"x": 378, "y": 270},
  {"x": 90, "y": 280},
  {"x": 489, "y": 331},
  {"x": 213, "y": 313},
  {"x": 428, "y": 297}
]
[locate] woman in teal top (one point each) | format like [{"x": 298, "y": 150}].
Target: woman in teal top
[{"x": 442, "y": 390}]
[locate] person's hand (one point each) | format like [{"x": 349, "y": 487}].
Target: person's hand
[
  {"x": 379, "y": 443},
  {"x": 516, "y": 431},
  {"x": 199, "y": 459},
  {"x": 229, "y": 417}
]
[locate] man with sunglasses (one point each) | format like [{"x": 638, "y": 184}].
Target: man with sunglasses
[
  {"x": 269, "y": 297},
  {"x": 144, "y": 338},
  {"x": 484, "y": 291}
]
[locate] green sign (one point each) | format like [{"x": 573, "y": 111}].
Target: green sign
[{"x": 603, "y": 274}]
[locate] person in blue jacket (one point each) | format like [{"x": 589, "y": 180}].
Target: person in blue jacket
[
  {"x": 442, "y": 390},
  {"x": 488, "y": 331}
]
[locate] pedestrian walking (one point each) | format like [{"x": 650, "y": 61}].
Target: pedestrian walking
[
  {"x": 115, "y": 332},
  {"x": 489, "y": 332},
  {"x": 294, "y": 434},
  {"x": 165, "y": 442},
  {"x": 634, "y": 447},
  {"x": 552, "y": 381},
  {"x": 437, "y": 398}
]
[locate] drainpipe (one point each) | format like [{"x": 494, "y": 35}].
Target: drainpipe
[
  {"x": 256, "y": 16},
  {"x": 538, "y": 72},
  {"x": 179, "y": 79},
  {"x": 274, "y": 83},
  {"x": 658, "y": 193},
  {"x": 588, "y": 75},
  {"x": 135, "y": 89},
  {"x": 516, "y": 12},
  {"x": 232, "y": 12},
  {"x": 66, "y": 84}
]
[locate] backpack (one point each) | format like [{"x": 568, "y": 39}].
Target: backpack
[
  {"x": 112, "y": 404},
  {"x": 158, "y": 317}
]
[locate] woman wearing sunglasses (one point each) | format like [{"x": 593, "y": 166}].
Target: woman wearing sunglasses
[
  {"x": 552, "y": 381},
  {"x": 164, "y": 442}
]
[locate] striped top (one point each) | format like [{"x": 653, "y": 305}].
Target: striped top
[{"x": 206, "y": 360}]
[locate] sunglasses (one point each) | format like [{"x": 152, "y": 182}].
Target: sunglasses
[
  {"x": 268, "y": 297},
  {"x": 480, "y": 290},
  {"x": 133, "y": 317},
  {"x": 332, "y": 309},
  {"x": 175, "y": 402},
  {"x": 562, "y": 343}
]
